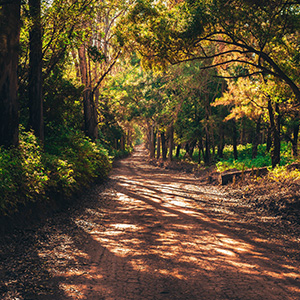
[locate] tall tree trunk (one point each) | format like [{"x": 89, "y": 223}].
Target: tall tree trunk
[
  {"x": 163, "y": 145},
  {"x": 122, "y": 142},
  {"x": 36, "y": 116},
  {"x": 234, "y": 140},
  {"x": 207, "y": 157},
  {"x": 178, "y": 150},
  {"x": 191, "y": 148},
  {"x": 295, "y": 140},
  {"x": 275, "y": 131},
  {"x": 9, "y": 45},
  {"x": 269, "y": 139},
  {"x": 152, "y": 142},
  {"x": 171, "y": 142},
  {"x": 77, "y": 68},
  {"x": 207, "y": 131},
  {"x": 158, "y": 146},
  {"x": 90, "y": 110},
  {"x": 200, "y": 147},
  {"x": 256, "y": 138},
  {"x": 221, "y": 142}
]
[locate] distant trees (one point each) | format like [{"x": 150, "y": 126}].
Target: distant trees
[
  {"x": 193, "y": 73},
  {"x": 239, "y": 38},
  {"x": 50, "y": 32}
]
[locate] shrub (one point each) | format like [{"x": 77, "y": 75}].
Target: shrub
[{"x": 29, "y": 173}]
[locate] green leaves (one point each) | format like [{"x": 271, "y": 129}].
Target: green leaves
[
  {"x": 95, "y": 54},
  {"x": 29, "y": 173}
]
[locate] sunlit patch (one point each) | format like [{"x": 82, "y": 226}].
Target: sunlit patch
[
  {"x": 120, "y": 251},
  {"x": 273, "y": 274},
  {"x": 126, "y": 226},
  {"x": 289, "y": 267},
  {"x": 294, "y": 289},
  {"x": 167, "y": 213},
  {"x": 245, "y": 267},
  {"x": 178, "y": 203},
  {"x": 292, "y": 275},
  {"x": 191, "y": 213},
  {"x": 225, "y": 252},
  {"x": 72, "y": 290},
  {"x": 122, "y": 196},
  {"x": 229, "y": 241}
]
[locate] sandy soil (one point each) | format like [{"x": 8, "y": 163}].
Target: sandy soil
[{"x": 153, "y": 233}]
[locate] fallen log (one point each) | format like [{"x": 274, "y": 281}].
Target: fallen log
[{"x": 227, "y": 177}]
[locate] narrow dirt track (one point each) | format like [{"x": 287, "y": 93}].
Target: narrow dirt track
[{"x": 152, "y": 233}]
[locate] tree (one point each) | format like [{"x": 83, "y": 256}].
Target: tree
[
  {"x": 9, "y": 46},
  {"x": 97, "y": 55},
  {"x": 244, "y": 37},
  {"x": 36, "y": 112},
  {"x": 245, "y": 99}
]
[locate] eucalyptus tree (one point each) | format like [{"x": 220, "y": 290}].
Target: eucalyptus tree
[
  {"x": 97, "y": 55},
  {"x": 36, "y": 112},
  {"x": 9, "y": 45}
]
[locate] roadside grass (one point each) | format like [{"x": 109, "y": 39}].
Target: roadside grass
[{"x": 245, "y": 161}]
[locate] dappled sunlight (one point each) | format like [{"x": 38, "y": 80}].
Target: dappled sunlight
[{"x": 162, "y": 239}]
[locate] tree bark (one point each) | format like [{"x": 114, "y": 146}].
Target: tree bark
[
  {"x": 36, "y": 116},
  {"x": 200, "y": 147},
  {"x": 152, "y": 142},
  {"x": 221, "y": 142},
  {"x": 234, "y": 140},
  {"x": 191, "y": 148},
  {"x": 171, "y": 142},
  {"x": 295, "y": 140},
  {"x": 207, "y": 131},
  {"x": 158, "y": 146},
  {"x": 9, "y": 46},
  {"x": 269, "y": 139},
  {"x": 163, "y": 146},
  {"x": 275, "y": 132},
  {"x": 178, "y": 150},
  {"x": 90, "y": 110},
  {"x": 122, "y": 142},
  {"x": 255, "y": 140}
]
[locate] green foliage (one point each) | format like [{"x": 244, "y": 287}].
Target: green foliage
[
  {"x": 245, "y": 161},
  {"x": 62, "y": 101},
  {"x": 29, "y": 173},
  {"x": 281, "y": 174},
  {"x": 117, "y": 153}
]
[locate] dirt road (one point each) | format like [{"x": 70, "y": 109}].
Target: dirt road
[{"x": 152, "y": 233}]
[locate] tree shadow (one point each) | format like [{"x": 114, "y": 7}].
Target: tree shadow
[
  {"x": 147, "y": 249},
  {"x": 142, "y": 238}
]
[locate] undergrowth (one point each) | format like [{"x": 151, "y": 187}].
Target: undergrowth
[
  {"x": 245, "y": 160},
  {"x": 68, "y": 162}
]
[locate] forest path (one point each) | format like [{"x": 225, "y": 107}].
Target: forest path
[{"x": 151, "y": 233}]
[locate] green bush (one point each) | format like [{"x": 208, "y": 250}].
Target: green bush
[
  {"x": 245, "y": 160},
  {"x": 68, "y": 162}
]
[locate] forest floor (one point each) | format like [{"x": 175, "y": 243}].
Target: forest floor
[{"x": 158, "y": 233}]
